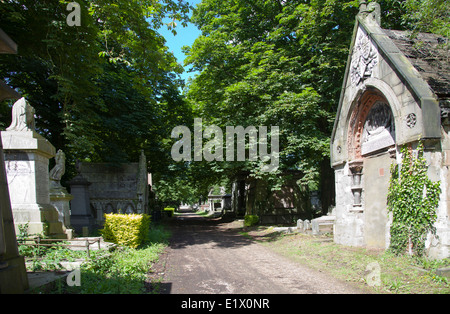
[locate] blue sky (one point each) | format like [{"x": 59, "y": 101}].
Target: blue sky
[{"x": 185, "y": 37}]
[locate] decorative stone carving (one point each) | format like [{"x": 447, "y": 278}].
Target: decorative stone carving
[
  {"x": 363, "y": 60},
  {"x": 58, "y": 170},
  {"x": 411, "y": 120},
  {"x": 26, "y": 161},
  {"x": 58, "y": 194},
  {"x": 356, "y": 167},
  {"x": 379, "y": 129},
  {"x": 22, "y": 116}
]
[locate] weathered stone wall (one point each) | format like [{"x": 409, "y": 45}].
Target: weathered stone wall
[{"x": 114, "y": 188}]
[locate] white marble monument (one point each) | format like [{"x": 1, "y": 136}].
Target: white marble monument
[{"x": 26, "y": 162}]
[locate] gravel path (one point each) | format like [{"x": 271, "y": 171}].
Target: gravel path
[{"x": 208, "y": 257}]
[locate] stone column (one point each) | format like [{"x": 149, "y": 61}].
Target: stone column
[
  {"x": 80, "y": 215},
  {"x": 356, "y": 167}
]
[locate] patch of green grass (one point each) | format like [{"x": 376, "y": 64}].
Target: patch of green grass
[
  {"x": 398, "y": 274},
  {"x": 122, "y": 271},
  {"x": 202, "y": 213}
]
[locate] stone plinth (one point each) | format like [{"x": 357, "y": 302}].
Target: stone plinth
[{"x": 60, "y": 199}]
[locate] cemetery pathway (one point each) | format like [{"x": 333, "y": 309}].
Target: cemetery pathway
[{"x": 209, "y": 256}]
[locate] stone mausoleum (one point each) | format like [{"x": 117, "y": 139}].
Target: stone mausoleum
[
  {"x": 114, "y": 188},
  {"x": 396, "y": 90}
]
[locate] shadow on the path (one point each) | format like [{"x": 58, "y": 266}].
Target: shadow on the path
[{"x": 191, "y": 229}]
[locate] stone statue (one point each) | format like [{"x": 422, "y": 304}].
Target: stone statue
[
  {"x": 22, "y": 116},
  {"x": 58, "y": 170}
]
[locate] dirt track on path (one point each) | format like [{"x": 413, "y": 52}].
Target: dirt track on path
[{"x": 209, "y": 256}]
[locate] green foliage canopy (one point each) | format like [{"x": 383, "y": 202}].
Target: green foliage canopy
[
  {"x": 272, "y": 63},
  {"x": 103, "y": 90}
]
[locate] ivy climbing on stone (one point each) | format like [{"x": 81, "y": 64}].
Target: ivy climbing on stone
[{"x": 412, "y": 199}]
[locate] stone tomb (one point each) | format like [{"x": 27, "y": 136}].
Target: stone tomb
[
  {"x": 113, "y": 188},
  {"x": 26, "y": 161},
  {"x": 393, "y": 94}
]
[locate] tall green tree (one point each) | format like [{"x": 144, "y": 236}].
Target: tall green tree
[
  {"x": 103, "y": 90},
  {"x": 428, "y": 16},
  {"x": 273, "y": 63}
]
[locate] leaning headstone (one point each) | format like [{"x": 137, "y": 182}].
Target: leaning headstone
[{"x": 26, "y": 160}]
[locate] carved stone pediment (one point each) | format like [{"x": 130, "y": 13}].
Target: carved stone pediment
[{"x": 363, "y": 60}]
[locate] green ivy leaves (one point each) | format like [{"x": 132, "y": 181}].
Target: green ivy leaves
[{"x": 412, "y": 200}]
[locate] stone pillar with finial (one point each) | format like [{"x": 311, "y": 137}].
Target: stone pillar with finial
[{"x": 371, "y": 12}]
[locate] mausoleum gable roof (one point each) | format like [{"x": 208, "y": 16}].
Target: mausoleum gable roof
[
  {"x": 424, "y": 72},
  {"x": 428, "y": 55}
]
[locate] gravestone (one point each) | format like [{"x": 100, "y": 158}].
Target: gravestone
[
  {"x": 26, "y": 160},
  {"x": 306, "y": 225},
  {"x": 80, "y": 216},
  {"x": 13, "y": 278},
  {"x": 300, "y": 225}
]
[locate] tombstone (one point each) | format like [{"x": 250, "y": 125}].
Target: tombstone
[
  {"x": 59, "y": 197},
  {"x": 306, "y": 225},
  {"x": 26, "y": 159},
  {"x": 300, "y": 225},
  {"x": 13, "y": 276},
  {"x": 394, "y": 93},
  {"x": 322, "y": 224},
  {"x": 80, "y": 210}
]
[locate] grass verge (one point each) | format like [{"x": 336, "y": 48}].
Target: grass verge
[
  {"x": 123, "y": 271},
  {"x": 397, "y": 274}
]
